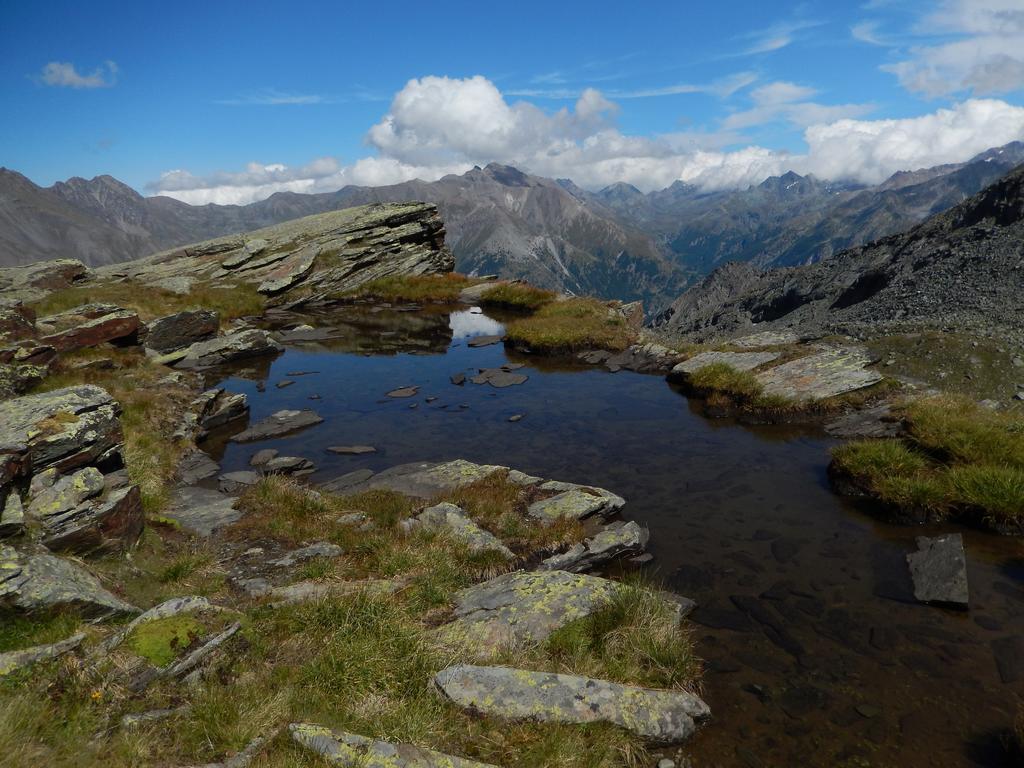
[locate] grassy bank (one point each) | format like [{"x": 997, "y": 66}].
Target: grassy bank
[
  {"x": 360, "y": 661},
  {"x": 957, "y": 460},
  {"x": 572, "y": 325},
  {"x": 240, "y": 300},
  {"x": 442, "y": 289},
  {"x": 517, "y": 296}
]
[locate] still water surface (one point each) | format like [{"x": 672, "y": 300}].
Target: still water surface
[{"x": 816, "y": 653}]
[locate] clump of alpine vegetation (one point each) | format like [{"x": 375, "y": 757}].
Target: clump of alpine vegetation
[{"x": 957, "y": 460}]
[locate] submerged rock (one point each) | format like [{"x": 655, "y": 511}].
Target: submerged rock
[
  {"x": 228, "y": 349},
  {"x": 352, "y": 751},
  {"x": 277, "y": 424},
  {"x": 351, "y": 450},
  {"x": 522, "y": 607},
  {"x": 939, "y": 570},
  {"x": 44, "y": 582},
  {"x": 12, "y": 661},
  {"x": 665, "y": 717},
  {"x": 613, "y": 542},
  {"x": 452, "y": 518}
]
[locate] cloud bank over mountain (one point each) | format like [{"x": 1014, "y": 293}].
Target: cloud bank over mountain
[{"x": 441, "y": 125}]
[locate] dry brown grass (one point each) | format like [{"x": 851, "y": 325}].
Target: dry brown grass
[{"x": 571, "y": 326}]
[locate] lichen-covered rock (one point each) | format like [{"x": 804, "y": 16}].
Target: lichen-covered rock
[
  {"x": 451, "y": 518},
  {"x": 45, "y": 582},
  {"x": 665, "y": 717},
  {"x": 53, "y": 494},
  {"x": 66, "y": 428},
  {"x": 833, "y": 371},
  {"x": 12, "y": 661},
  {"x": 352, "y": 751},
  {"x": 109, "y": 524},
  {"x": 522, "y": 607},
  {"x": 88, "y": 326},
  {"x": 425, "y": 480},
  {"x": 740, "y": 361},
  {"x": 12, "y": 516},
  {"x": 211, "y": 410},
  {"x": 575, "y": 502},
  {"x": 34, "y": 281},
  {"x": 613, "y": 542},
  {"x": 277, "y": 424},
  {"x": 182, "y": 329},
  {"x": 18, "y": 378},
  {"x": 226, "y": 349},
  {"x": 17, "y": 321}
]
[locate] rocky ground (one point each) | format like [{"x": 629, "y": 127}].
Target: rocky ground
[{"x": 173, "y": 613}]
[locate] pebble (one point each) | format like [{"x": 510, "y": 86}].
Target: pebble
[{"x": 516, "y": 417}]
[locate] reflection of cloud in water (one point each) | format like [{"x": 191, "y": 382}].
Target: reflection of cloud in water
[{"x": 466, "y": 323}]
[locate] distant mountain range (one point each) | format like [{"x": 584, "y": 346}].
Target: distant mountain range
[
  {"x": 617, "y": 243},
  {"x": 960, "y": 270}
]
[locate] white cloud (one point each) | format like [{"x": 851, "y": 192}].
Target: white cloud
[
  {"x": 63, "y": 74},
  {"x": 984, "y": 56},
  {"x": 867, "y": 32},
  {"x": 438, "y": 125}
]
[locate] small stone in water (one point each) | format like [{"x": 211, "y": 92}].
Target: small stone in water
[{"x": 516, "y": 417}]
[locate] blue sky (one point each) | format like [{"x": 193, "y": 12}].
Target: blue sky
[{"x": 228, "y": 102}]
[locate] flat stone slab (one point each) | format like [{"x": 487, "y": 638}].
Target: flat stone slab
[
  {"x": 483, "y": 341},
  {"x": 403, "y": 392},
  {"x": 351, "y": 450},
  {"x": 173, "y": 607},
  {"x": 939, "y": 570},
  {"x": 317, "y": 549},
  {"x": 740, "y": 361},
  {"x": 426, "y": 480},
  {"x": 277, "y": 424},
  {"x": 765, "y": 339},
  {"x": 182, "y": 329},
  {"x": 499, "y": 377},
  {"x": 84, "y": 327},
  {"x": 664, "y": 717},
  {"x": 620, "y": 541},
  {"x": 44, "y": 582},
  {"x": 454, "y": 520},
  {"x": 522, "y": 607},
  {"x": 196, "y": 465},
  {"x": 12, "y": 661},
  {"x": 202, "y": 510},
  {"x": 352, "y": 751},
  {"x": 828, "y": 373}
]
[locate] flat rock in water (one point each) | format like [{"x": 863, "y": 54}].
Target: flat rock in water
[
  {"x": 12, "y": 661},
  {"x": 452, "y": 518},
  {"x": 623, "y": 540},
  {"x": 740, "y": 361},
  {"x": 277, "y": 424},
  {"x": 352, "y": 751},
  {"x": 522, "y": 607},
  {"x": 499, "y": 377},
  {"x": 458, "y": 379},
  {"x": 227, "y": 349},
  {"x": 261, "y": 457},
  {"x": 202, "y": 510},
  {"x": 289, "y": 465},
  {"x": 483, "y": 341},
  {"x": 403, "y": 392},
  {"x": 828, "y": 373},
  {"x": 44, "y": 582},
  {"x": 664, "y": 717},
  {"x": 351, "y": 450},
  {"x": 939, "y": 570}
]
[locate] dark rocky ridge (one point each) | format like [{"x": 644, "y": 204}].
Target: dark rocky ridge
[{"x": 961, "y": 270}]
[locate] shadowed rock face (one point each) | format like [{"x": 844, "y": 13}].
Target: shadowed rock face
[
  {"x": 311, "y": 258},
  {"x": 960, "y": 269}
]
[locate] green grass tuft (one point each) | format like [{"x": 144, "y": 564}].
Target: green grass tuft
[
  {"x": 422, "y": 288},
  {"x": 519, "y": 296},
  {"x": 571, "y": 326}
]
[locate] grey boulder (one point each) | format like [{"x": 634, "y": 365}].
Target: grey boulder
[
  {"x": 227, "y": 349},
  {"x": 613, "y": 542},
  {"x": 182, "y": 329},
  {"x": 939, "y": 570},
  {"x": 352, "y": 751}
]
